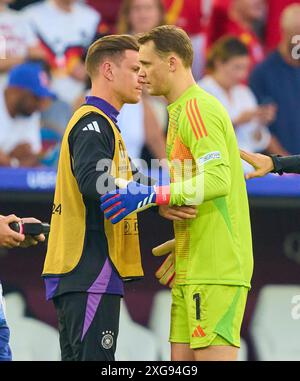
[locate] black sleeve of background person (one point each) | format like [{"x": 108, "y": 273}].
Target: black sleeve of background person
[
  {"x": 86, "y": 149},
  {"x": 288, "y": 164}
]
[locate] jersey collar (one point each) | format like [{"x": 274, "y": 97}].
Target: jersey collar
[
  {"x": 104, "y": 106},
  {"x": 188, "y": 92}
]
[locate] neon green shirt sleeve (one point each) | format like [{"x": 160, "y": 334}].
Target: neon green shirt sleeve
[{"x": 203, "y": 130}]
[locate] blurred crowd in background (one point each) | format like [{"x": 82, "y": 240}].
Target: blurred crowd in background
[{"x": 247, "y": 54}]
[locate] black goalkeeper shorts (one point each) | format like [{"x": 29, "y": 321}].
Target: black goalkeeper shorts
[{"x": 88, "y": 326}]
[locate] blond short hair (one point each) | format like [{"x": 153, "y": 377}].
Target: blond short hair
[{"x": 170, "y": 39}]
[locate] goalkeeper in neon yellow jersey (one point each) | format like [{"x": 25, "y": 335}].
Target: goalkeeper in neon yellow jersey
[{"x": 213, "y": 252}]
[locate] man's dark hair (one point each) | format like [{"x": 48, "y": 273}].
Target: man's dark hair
[
  {"x": 112, "y": 46},
  {"x": 224, "y": 50}
]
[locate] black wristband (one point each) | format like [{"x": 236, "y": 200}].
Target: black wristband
[{"x": 277, "y": 164}]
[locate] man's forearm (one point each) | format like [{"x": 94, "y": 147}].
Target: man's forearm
[
  {"x": 206, "y": 186},
  {"x": 209, "y": 184}
]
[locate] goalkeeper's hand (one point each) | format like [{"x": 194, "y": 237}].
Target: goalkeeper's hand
[
  {"x": 133, "y": 197},
  {"x": 166, "y": 272}
]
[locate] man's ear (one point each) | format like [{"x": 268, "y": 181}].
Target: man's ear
[
  {"x": 172, "y": 63},
  {"x": 107, "y": 70}
]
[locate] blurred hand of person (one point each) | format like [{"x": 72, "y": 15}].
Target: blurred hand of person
[
  {"x": 8, "y": 237},
  {"x": 29, "y": 240},
  {"x": 262, "y": 164},
  {"x": 24, "y": 155},
  {"x": 4, "y": 159},
  {"x": 245, "y": 117},
  {"x": 178, "y": 213},
  {"x": 266, "y": 114},
  {"x": 21, "y": 151}
]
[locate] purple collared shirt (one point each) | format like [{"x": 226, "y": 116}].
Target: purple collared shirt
[{"x": 104, "y": 106}]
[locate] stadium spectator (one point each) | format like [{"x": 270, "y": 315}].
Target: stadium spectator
[
  {"x": 136, "y": 16},
  {"x": 218, "y": 20},
  {"x": 275, "y": 9},
  {"x": 26, "y": 94},
  {"x": 18, "y": 43},
  {"x": 228, "y": 65},
  {"x": 109, "y": 11},
  {"x": 139, "y": 16},
  {"x": 65, "y": 28},
  {"x": 193, "y": 16},
  {"x": 239, "y": 21},
  {"x": 190, "y": 15},
  {"x": 277, "y": 80}
]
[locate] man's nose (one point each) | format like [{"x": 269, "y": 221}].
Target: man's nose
[
  {"x": 142, "y": 73},
  {"x": 141, "y": 78}
]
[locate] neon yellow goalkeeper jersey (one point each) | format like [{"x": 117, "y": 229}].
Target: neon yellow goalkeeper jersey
[{"x": 206, "y": 170}]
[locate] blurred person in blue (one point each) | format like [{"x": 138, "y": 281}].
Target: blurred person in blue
[
  {"x": 21, "y": 102},
  {"x": 228, "y": 66},
  {"x": 277, "y": 80},
  {"x": 10, "y": 239}
]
